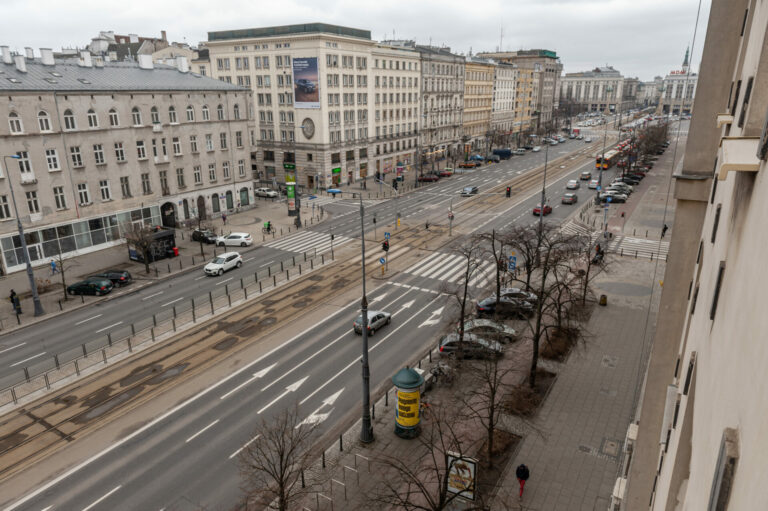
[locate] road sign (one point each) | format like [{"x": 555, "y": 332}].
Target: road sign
[
  {"x": 599, "y": 188},
  {"x": 382, "y": 260},
  {"x": 512, "y": 263},
  {"x": 386, "y": 235},
  {"x": 608, "y": 199}
]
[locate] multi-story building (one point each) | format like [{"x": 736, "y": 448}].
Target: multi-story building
[
  {"x": 525, "y": 103},
  {"x": 503, "y": 109},
  {"x": 649, "y": 92},
  {"x": 677, "y": 90},
  {"x": 700, "y": 441},
  {"x": 102, "y": 146},
  {"x": 629, "y": 94},
  {"x": 316, "y": 98},
  {"x": 599, "y": 90},
  {"x": 478, "y": 103}
]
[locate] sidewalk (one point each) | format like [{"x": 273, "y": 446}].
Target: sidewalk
[{"x": 78, "y": 267}]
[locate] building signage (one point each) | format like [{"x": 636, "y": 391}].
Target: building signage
[
  {"x": 289, "y": 166},
  {"x": 337, "y": 170},
  {"x": 407, "y": 411},
  {"x": 461, "y": 475},
  {"x": 306, "y": 83}
]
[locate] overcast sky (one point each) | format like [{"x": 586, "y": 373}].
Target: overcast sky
[{"x": 640, "y": 38}]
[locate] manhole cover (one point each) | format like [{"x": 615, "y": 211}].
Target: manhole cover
[
  {"x": 225, "y": 344},
  {"x": 609, "y": 361}
]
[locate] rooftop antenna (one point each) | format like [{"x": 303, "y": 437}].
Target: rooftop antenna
[{"x": 501, "y": 38}]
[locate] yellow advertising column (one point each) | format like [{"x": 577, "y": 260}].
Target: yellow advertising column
[{"x": 408, "y": 388}]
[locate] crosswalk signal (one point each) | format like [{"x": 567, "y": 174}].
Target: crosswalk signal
[
  {"x": 385, "y": 246},
  {"x": 509, "y": 191}
]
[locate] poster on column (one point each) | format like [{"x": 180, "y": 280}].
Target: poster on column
[{"x": 306, "y": 83}]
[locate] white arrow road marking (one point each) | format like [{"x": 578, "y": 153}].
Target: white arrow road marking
[
  {"x": 378, "y": 298},
  {"x": 290, "y": 388},
  {"x": 256, "y": 376},
  {"x": 407, "y": 305},
  {"x": 314, "y": 418},
  {"x": 246, "y": 444},
  {"x": 434, "y": 318}
]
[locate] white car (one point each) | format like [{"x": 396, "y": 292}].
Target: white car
[
  {"x": 235, "y": 239},
  {"x": 588, "y": 140},
  {"x": 572, "y": 184},
  {"x": 593, "y": 184},
  {"x": 536, "y": 148},
  {"x": 223, "y": 262},
  {"x": 265, "y": 192}
]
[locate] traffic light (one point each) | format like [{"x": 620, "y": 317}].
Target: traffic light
[
  {"x": 385, "y": 246},
  {"x": 509, "y": 191}
]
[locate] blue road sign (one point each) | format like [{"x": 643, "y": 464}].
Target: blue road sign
[
  {"x": 381, "y": 260},
  {"x": 512, "y": 263},
  {"x": 386, "y": 235},
  {"x": 608, "y": 199},
  {"x": 599, "y": 188}
]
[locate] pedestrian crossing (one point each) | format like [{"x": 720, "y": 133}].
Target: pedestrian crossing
[
  {"x": 452, "y": 268},
  {"x": 322, "y": 201},
  {"x": 308, "y": 240},
  {"x": 642, "y": 247}
]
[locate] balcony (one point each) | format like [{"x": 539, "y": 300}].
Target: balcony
[{"x": 738, "y": 154}]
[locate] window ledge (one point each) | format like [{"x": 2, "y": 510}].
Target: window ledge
[
  {"x": 54, "y": 170},
  {"x": 122, "y": 161},
  {"x": 723, "y": 119},
  {"x": 738, "y": 154},
  {"x": 104, "y": 164}
]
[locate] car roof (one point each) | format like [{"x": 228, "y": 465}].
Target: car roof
[
  {"x": 238, "y": 234},
  {"x": 480, "y": 322},
  {"x": 227, "y": 254}
]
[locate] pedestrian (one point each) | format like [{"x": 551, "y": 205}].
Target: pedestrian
[
  {"x": 664, "y": 230},
  {"x": 523, "y": 474},
  {"x": 224, "y": 218},
  {"x": 12, "y": 298},
  {"x": 54, "y": 269},
  {"x": 427, "y": 225}
]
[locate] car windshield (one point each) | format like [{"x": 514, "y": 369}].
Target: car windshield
[
  {"x": 468, "y": 189},
  {"x": 218, "y": 260}
]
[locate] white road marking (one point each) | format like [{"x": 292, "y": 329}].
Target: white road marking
[
  {"x": 150, "y": 296},
  {"x": 201, "y": 277},
  {"x": 249, "y": 259},
  {"x": 47, "y": 508},
  {"x": 224, "y": 281},
  {"x": 13, "y": 347},
  {"x": 86, "y": 320},
  {"x": 290, "y": 388},
  {"x": 108, "y": 327},
  {"x": 202, "y": 431},
  {"x": 267, "y": 264},
  {"x": 95, "y": 503},
  {"x": 256, "y": 376},
  {"x": 246, "y": 444},
  {"x": 26, "y": 359},
  {"x": 172, "y": 301}
]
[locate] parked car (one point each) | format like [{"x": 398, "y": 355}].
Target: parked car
[
  {"x": 473, "y": 346},
  {"x": 235, "y": 239},
  {"x": 569, "y": 198},
  {"x": 572, "y": 136},
  {"x": 537, "y": 209},
  {"x": 468, "y": 191},
  {"x": 593, "y": 184},
  {"x": 580, "y": 137},
  {"x": 204, "y": 235},
  {"x": 519, "y": 151},
  {"x": 223, "y": 262},
  {"x": 487, "y": 328},
  {"x": 585, "y": 176},
  {"x": 572, "y": 184},
  {"x": 445, "y": 173},
  {"x": 495, "y": 158},
  {"x": 519, "y": 294},
  {"x": 627, "y": 179},
  {"x": 476, "y": 157},
  {"x": 528, "y": 147},
  {"x": 96, "y": 286},
  {"x": 504, "y": 154},
  {"x": 376, "y": 320},
  {"x": 554, "y": 142},
  {"x": 624, "y": 187},
  {"x": 614, "y": 195},
  {"x": 536, "y": 148},
  {"x": 265, "y": 192},
  {"x": 429, "y": 178},
  {"x": 507, "y": 307},
  {"x": 118, "y": 277},
  {"x": 305, "y": 85}
]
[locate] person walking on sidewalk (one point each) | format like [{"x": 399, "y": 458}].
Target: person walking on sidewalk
[
  {"x": 54, "y": 269},
  {"x": 224, "y": 218},
  {"x": 15, "y": 302},
  {"x": 522, "y": 474},
  {"x": 664, "y": 231}
]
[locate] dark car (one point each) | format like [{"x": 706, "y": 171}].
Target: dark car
[
  {"x": 507, "y": 307},
  {"x": 429, "y": 178},
  {"x": 91, "y": 286},
  {"x": 629, "y": 180},
  {"x": 204, "y": 235},
  {"x": 519, "y": 294},
  {"x": 528, "y": 147},
  {"x": 469, "y": 191},
  {"x": 473, "y": 346},
  {"x": 118, "y": 277},
  {"x": 305, "y": 85},
  {"x": 569, "y": 198}
]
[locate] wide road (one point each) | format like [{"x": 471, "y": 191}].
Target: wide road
[{"x": 185, "y": 458}]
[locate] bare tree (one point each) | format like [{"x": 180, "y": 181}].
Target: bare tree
[
  {"x": 62, "y": 267},
  {"x": 496, "y": 246},
  {"x": 524, "y": 241},
  {"x": 272, "y": 465},
  {"x": 471, "y": 254},
  {"x": 203, "y": 225}
]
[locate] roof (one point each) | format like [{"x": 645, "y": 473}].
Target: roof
[
  {"x": 125, "y": 50},
  {"x": 114, "y": 76},
  {"x": 437, "y": 50},
  {"x": 287, "y": 30}
]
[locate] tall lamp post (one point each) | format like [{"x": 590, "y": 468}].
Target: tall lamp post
[
  {"x": 608, "y": 90},
  {"x": 35, "y": 298},
  {"x": 366, "y": 431}
]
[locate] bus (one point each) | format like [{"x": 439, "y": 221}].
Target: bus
[{"x": 610, "y": 159}]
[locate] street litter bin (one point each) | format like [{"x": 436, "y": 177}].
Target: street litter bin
[
  {"x": 175, "y": 251},
  {"x": 603, "y": 300}
]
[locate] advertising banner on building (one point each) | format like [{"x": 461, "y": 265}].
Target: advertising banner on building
[{"x": 306, "y": 83}]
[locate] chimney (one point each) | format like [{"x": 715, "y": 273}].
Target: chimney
[
  {"x": 163, "y": 36},
  {"x": 133, "y": 38},
  {"x": 30, "y": 53},
  {"x": 85, "y": 59},
  {"x": 21, "y": 64},
  {"x": 145, "y": 62},
  {"x": 98, "y": 61},
  {"x": 6, "y": 55},
  {"x": 182, "y": 64},
  {"x": 46, "y": 55},
  {"x": 112, "y": 55},
  {"x": 171, "y": 61}
]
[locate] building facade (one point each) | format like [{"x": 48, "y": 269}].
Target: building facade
[
  {"x": 317, "y": 90},
  {"x": 649, "y": 92},
  {"x": 503, "y": 106},
  {"x": 700, "y": 439},
  {"x": 525, "y": 103},
  {"x": 678, "y": 90},
  {"x": 103, "y": 146},
  {"x": 478, "y": 103},
  {"x": 599, "y": 90}
]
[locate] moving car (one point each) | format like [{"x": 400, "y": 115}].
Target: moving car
[
  {"x": 537, "y": 209},
  {"x": 305, "y": 85},
  {"x": 429, "y": 178},
  {"x": 204, "y": 235},
  {"x": 588, "y": 140},
  {"x": 118, "y": 277},
  {"x": 572, "y": 184},
  {"x": 536, "y": 148},
  {"x": 235, "y": 239},
  {"x": 593, "y": 184},
  {"x": 265, "y": 192},
  {"x": 519, "y": 151},
  {"x": 96, "y": 286},
  {"x": 585, "y": 176},
  {"x": 468, "y": 191},
  {"x": 473, "y": 346},
  {"x": 469, "y": 164},
  {"x": 569, "y": 198},
  {"x": 223, "y": 262},
  {"x": 487, "y": 328},
  {"x": 376, "y": 320},
  {"x": 507, "y": 307},
  {"x": 495, "y": 158}
]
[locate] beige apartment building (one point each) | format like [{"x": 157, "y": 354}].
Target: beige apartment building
[
  {"x": 599, "y": 90},
  {"x": 478, "y": 103},
  {"x": 317, "y": 91},
  {"x": 698, "y": 439},
  {"x": 104, "y": 145},
  {"x": 525, "y": 103}
]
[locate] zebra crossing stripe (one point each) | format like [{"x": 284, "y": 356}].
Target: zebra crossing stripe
[
  {"x": 415, "y": 269},
  {"x": 441, "y": 266},
  {"x": 456, "y": 270},
  {"x": 307, "y": 240}
]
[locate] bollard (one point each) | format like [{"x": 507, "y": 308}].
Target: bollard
[
  {"x": 635, "y": 254},
  {"x": 152, "y": 332},
  {"x": 154, "y": 320},
  {"x": 322, "y": 258},
  {"x": 287, "y": 275},
  {"x": 311, "y": 264},
  {"x": 82, "y": 299},
  {"x": 60, "y": 307},
  {"x": 194, "y": 316},
  {"x": 282, "y": 269},
  {"x": 305, "y": 257},
  {"x": 77, "y": 368},
  {"x": 299, "y": 270},
  {"x": 226, "y": 289},
  {"x": 174, "y": 309},
  {"x": 182, "y": 235},
  {"x": 56, "y": 360},
  {"x": 373, "y": 411},
  {"x": 109, "y": 338},
  {"x": 255, "y": 276},
  {"x": 269, "y": 271},
  {"x": 260, "y": 287},
  {"x": 229, "y": 299},
  {"x": 241, "y": 283},
  {"x": 47, "y": 383},
  {"x": 274, "y": 280},
  {"x": 341, "y": 444},
  {"x": 169, "y": 267},
  {"x": 303, "y": 485},
  {"x": 651, "y": 256},
  {"x": 245, "y": 292},
  {"x": 323, "y": 454},
  {"x": 156, "y": 274},
  {"x": 133, "y": 329},
  {"x": 173, "y": 322},
  {"x": 430, "y": 355},
  {"x": 294, "y": 260},
  {"x": 85, "y": 353},
  {"x": 104, "y": 355},
  {"x": 180, "y": 266},
  {"x": 634, "y": 232},
  {"x": 281, "y": 231},
  {"x": 419, "y": 363},
  {"x": 193, "y": 260},
  {"x": 130, "y": 348},
  {"x": 211, "y": 298},
  {"x": 646, "y": 233},
  {"x": 386, "y": 398}
]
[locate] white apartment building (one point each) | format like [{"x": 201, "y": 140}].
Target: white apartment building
[
  {"x": 315, "y": 99},
  {"x": 104, "y": 145},
  {"x": 503, "y": 107},
  {"x": 701, "y": 440},
  {"x": 598, "y": 90}
]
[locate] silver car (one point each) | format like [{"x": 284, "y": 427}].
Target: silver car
[
  {"x": 474, "y": 346},
  {"x": 489, "y": 328},
  {"x": 376, "y": 320}
]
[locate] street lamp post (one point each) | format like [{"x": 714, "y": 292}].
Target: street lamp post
[
  {"x": 366, "y": 431},
  {"x": 30, "y": 274},
  {"x": 602, "y": 158}
]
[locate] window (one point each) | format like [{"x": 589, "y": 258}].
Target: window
[
  {"x": 206, "y": 113},
  {"x": 241, "y": 168},
  {"x": 163, "y": 147},
  {"x": 58, "y": 196},
  {"x": 154, "y": 115},
  {"x": 44, "y": 121},
  {"x": 223, "y": 140},
  {"x": 14, "y": 121},
  {"x": 125, "y": 187},
  {"x": 52, "y": 158},
  {"x": 239, "y": 138},
  {"x": 146, "y": 188},
  {"x": 141, "y": 151},
  {"x": 25, "y": 166},
  {"x": 716, "y": 222},
  {"x": 225, "y": 169},
  {"x": 197, "y": 175},
  {"x": 265, "y": 62},
  {"x": 193, "y": 143},
  {"x": 180, "y": 178},
  {"x": 77, "y": 158},
  {"x": 220, "y": 113},
  {"x": 236, "y": 110},
  {"x": 106, "y": 193},
  {"x": 32, "y": 204},
  {"x": 172, "y": 115},
  {"x": 93, "y": 119},
  {"x": 212, "y": 172},
  {"x": 716, "y": 295},
  {"x": 176, "y": 146},
  {"x": 136, "y": 116},
  {"x": 5, "y": 210},
  {"x": 208, "y": 142},
  {"x": 69, "y": 120},
  {"x": 82, "y": 194},
  {"x": 98, "y": 154},
  {"x": 164, "y": 182},
  {"x": 119, "y": 151},
  {"x": 190, "y": 114},
  {"x": 114, "y": 120}
]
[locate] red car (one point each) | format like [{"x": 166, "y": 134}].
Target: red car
[
  {"x": 446, "y": 173},
  {"x": 429, "y": 178},
  {"x": 537, "y": 209}
]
